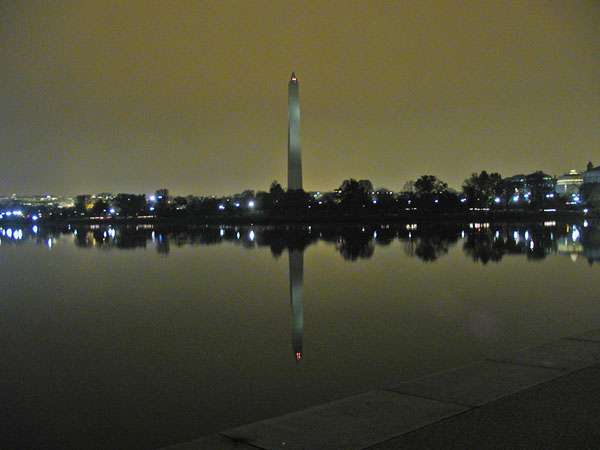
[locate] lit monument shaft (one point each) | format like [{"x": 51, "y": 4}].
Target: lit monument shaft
[
  {"x": 296, "y": 281},
  {"x": 294, "y": 159}
]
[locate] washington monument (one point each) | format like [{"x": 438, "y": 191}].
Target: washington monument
[{"x": 294, "y": 159}]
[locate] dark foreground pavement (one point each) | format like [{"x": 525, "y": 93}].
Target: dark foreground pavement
[{"x": 545, "y": 397}]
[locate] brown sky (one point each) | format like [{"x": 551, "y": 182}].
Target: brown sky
[{"x": 131, "y": 96}]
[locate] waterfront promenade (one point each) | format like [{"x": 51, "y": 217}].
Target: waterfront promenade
[{"x": 545, "y": 397}]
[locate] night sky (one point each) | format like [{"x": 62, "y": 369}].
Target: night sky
[{"x": 131, "y": 96}]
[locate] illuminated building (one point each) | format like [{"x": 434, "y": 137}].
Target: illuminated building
[
  {"x": 294, "y": 158},
  {"x": 569, "y": 183},
  {"x": 296, "y": 281}
]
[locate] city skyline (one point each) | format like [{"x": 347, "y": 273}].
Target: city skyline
[{"x": 134, "y": 96}]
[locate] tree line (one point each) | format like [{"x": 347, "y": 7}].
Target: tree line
[{"x": 428, "y": 194}]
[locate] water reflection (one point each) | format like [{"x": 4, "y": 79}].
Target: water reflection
[
  {"x": 296, "y": 262},
  {"x": 482, "y": 242},
  {"x": 535, "y": 241}
]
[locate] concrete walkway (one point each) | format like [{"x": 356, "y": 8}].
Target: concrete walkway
[{"x": 542, "y": 397}]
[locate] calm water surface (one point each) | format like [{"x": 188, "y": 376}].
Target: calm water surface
[{"x": 140, "y": 337}]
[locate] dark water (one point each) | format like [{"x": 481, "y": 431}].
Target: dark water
[{"x": 140, "y": 337}]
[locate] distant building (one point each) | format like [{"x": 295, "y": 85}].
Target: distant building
[
  {"x": 106, "y": 196},
  {"x": 525, "y": 184},
  {"x": 592, "y": 175},
  {"x": 569, "y": 183}
]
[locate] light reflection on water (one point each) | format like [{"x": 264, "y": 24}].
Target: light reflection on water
[
  {"x": 484, "y": 242},
  {"x": 199, "y": 329}
]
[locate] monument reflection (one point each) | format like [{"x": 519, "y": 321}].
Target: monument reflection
[{"x": 296, "y": 264}]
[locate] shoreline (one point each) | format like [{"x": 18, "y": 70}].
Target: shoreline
[
  {"x": 535, "y": 395},
  {"x": 262, "y": 219}
]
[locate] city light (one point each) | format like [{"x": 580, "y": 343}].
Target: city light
[
  {"x": 251, "y": 204},
  {"x": 575, "y": 234}
]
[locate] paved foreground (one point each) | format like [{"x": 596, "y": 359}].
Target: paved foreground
[{"x": 543, "y": 397}]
